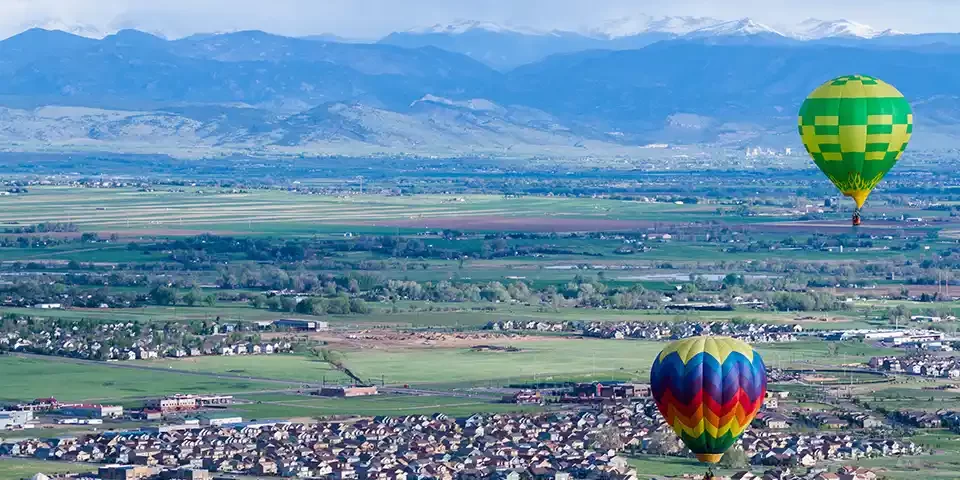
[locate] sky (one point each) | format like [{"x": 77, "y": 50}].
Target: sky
[{"x": 375, "y": 18}]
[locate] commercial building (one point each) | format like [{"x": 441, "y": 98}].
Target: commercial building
[
  {"x": 92, "y": 411},
  {"x": 590, "y": 392},
  {"x": 338, "y": 391},
  {"x": 40, "y": 405},
  {"x": 303, "y": 325},
  {"x": 524, "y": 397},
  {"x": 15, "y": 419},
  {"x": 186, "y": 474},
  {"x": 213, "y": 400},
  {"x": 126, "y": 472},
  {"x": 180, "y": 403},
  {"x": 217, "y": 421},
  {"x": 174, "y": 403}
]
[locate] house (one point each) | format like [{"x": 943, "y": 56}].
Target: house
[{"x": 775, "y": 422}]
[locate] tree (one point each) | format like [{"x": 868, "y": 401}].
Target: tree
[
  {"x": 663, "y": 442},
  {"x": 332, "y": 357},
  {"x": 734, "y": 458},
  {"x": 163, "y": 295},
  {"x": 258, "y": 301},
  {"x": 210, "y": 300},
  {"x": 193, "y": 297},
  {"x": 608, "y": 438}
]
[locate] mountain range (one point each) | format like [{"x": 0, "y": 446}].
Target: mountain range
[
  {"x": 690, "y": 81},
  {"x": 506, "y": 47}
]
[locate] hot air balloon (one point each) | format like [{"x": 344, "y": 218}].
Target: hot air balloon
[
  {"x": 708, "y": 389},
  {"x": 855, "y": 127}
]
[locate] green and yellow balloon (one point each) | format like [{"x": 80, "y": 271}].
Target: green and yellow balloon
[{"x": 855, "y": 128}]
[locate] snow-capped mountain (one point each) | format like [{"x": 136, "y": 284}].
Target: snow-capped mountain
[
  {"x": 79, "y": 29},
  {"x": 734, "y": 28},
  {"x": 642, "y": 24},
  {"x": 815, "y": 29},
  {"x": 460, "y": 27}
]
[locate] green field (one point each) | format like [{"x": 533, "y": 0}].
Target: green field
[
  {"x": 652, "y": 465},
  {"x": 281, "y": 367},
  {"x": 29, "y": 378},
  {"x": 18, "y": 468},
  {"x": 541, "y": 359},
  {"x": 901, "y": 398}
]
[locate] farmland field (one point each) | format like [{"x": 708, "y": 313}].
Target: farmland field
[
  {"x": 19, "y": 468},
  {"x": 29, "y": 378},
  {"x": 281, "y": 367},
  {"x": 540, "y": 359},
  {"x": 269, "y": 212},
  {"x": 192, "y": 211}
]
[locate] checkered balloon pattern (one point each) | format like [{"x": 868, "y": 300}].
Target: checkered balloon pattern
[{"x": 855, "y": 128}]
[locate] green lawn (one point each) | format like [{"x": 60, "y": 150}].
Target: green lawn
[
  {"x": 18, "y": 468},
  {"x": 541, "y": 359},
  {"x": 280, "y": 367},
  {"x": 941, "y": 466},
  {"x": 898, "y": 398},
  {"x": 29, "y": 378},
  {"x": 649, "y": 465}
]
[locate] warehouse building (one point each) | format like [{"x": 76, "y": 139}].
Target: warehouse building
[
  {"x": 302, "y": 325},
  {"x": 338, "y": 391},
  {"x": 92, "y": 411},
  {"x": 15, "y": 419}
]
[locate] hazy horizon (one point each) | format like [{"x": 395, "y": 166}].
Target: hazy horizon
[{"x": 351, "y": 18}]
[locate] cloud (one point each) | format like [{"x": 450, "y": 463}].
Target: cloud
[{"x": 372, "y": 18}]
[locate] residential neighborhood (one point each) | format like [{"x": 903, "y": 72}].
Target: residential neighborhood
[
  {"x": 581, "y": 444},
  {"x": 925, "y": 365},
  {"x": 131, "y": 341},
  {"x": 748, "y": 332}
]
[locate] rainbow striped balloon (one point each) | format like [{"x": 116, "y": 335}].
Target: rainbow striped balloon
[{"x": 708, "y": 389}]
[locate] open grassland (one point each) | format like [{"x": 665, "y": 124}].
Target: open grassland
[
  {"x": 29, "y": 378},
  {"x": 940, "y": 466},
  {"x": 543, "y": 360},
  {"x": 19, "y": 468},
  {"x": 649, "y": 466},
  {"x": 903, "y": 397},
  {"x": 279, "y": 367}
]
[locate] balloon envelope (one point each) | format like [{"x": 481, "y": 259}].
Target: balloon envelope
[
  {"x": 708, "y": 389},
  {"x": 855, "y": 128}
]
